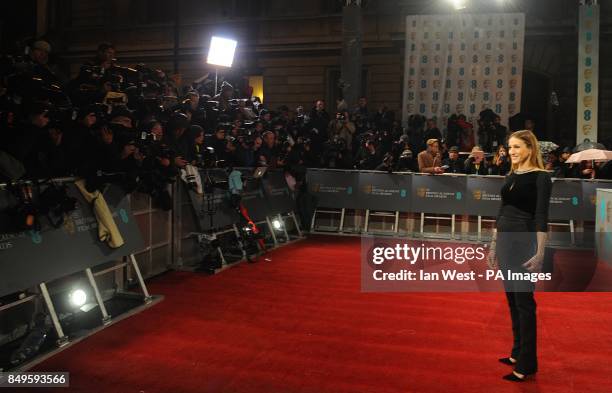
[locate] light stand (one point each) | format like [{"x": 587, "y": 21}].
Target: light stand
[{"x": 221, "y": 53}]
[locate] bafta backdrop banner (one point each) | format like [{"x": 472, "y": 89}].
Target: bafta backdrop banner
[
  {"x": 443, "y": 194},
  {"x": 385, "y": 191},
  {"x": 334, "y": 188},
  {"x": 483, "y": 196},
  {"x": 588, "y": 72},
  {"x": 463, "y": 64}
]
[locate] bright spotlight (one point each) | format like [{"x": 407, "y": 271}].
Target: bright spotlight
[
  {"x": 459, "y": 4},
  {"x": 221, "y": 51},
  {"x": 277, "y": 224},
  {"x": 78, "y": 297}
]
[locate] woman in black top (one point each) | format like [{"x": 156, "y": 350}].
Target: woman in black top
[{"x": 518, "y": 245}]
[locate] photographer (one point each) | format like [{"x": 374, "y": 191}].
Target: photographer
[
  {"x": 475, "y": 163},
  {"x": 342, "y": 127},
  {"x": 268, "y": 153},
  {"x": 224, "y": 97},
  {"x": 489, "y": 130},
  {"x": 431, "y": 159},
  {"x": 406, "y": 162},
  {"x": 453, "y": 163},
  {"x": 26, "y": 140},
  {"x": 415, "y": 132},
  {"x": 501, "y": 163},
  {"x": 336, "y": 155},
  {"x": 500, "y": 133},
  {"x": 368, "y": 156},
  {"x": 218, "y": 141},
  {"x": 39, "y": 55},
  {"x": 179, "y": 140},
  {"x": 387, "y": 164},
  {"x": 432, "y": 131},
  {"x": 319, "y": 121},
  {"x": 105, "y": 56}
]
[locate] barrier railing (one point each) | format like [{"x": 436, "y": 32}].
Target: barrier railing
[
  {"x": 438, "y": 197},
  {"x": 158, "y": 239}
]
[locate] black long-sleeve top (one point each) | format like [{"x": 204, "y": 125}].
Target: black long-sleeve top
[{"x": 530, "y": 193}]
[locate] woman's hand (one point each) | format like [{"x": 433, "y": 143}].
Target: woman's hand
[
  {"x": 534, "y": 265},
  {"x": 492, "y": 257}
]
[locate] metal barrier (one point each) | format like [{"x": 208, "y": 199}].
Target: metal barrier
[{"x": 455, "y": 198}]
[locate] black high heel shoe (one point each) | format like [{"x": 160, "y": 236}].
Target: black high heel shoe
[
  {"x": 512, "y": 377},
  {"x": 507, "y": 361}
]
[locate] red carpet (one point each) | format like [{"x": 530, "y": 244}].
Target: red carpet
[{"x": 299, "y": 323}]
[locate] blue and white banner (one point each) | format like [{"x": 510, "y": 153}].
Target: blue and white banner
[
  {"x": 463, "y": 64},
  {"x": 588, "y": 72}
]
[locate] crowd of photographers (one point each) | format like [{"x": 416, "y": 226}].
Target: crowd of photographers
[{"x": 137, "y": 124}]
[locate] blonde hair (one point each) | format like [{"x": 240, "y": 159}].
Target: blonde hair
[{"x": 530, "y": 140}]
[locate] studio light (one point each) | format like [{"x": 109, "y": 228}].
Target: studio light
[
  {"x": 277, "y": 224},
  {"x": 78, "y": 297},
  {"x": 459, "y": 4},
  {"x": 221, "y": 51}
]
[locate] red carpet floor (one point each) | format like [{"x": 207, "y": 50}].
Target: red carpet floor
[{"x": 299, "y": 323}]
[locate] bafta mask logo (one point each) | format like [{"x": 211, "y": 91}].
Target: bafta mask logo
[
  {"x": 434, "y": 108},
  {"x": 588, "y": 48},
  {"x": 477, "y": 194},
  {"x": 586, "y": 129},
  {"x": 488, "y": 58},
  {"x": 316, "y": 187},
  {"x": 588, "y": 74},
  {"x": 513, "y": 83},
  {"x": 498, "y": 96},
  {"x": 421, "y": 192},
  {"x": 500, "y": 70},
  {"x": 460, "y": 108},
  {"x": 588, "y": 101},
  {"x": 460, "y": 84},
  {"x": 367, "y": 189}
]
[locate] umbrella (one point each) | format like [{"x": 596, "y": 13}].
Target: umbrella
[
  {"x": 598, "y": 155},
  {"x": 587, "y": 144},
  {"x": 546, "y": 147}
]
